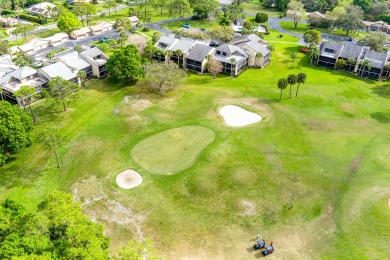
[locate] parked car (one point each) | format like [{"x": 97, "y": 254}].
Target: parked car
[
  {"x": 214, "y": 44},
  {"x": 350, "y": 39},
  {"x": 202, "y": 29},
  {"x": 187, "y": 25}
]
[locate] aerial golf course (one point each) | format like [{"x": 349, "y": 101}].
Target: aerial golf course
[{"x": 312, "y": 175}]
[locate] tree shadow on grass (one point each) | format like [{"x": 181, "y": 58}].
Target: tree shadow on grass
[
  {"x": 382, "y": 91},
  {"x": 381, "y": 117}
]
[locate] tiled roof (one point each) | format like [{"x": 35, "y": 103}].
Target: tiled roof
[
  {"x": 58, "y": 69},
  {"x": 199, "y": 52}
]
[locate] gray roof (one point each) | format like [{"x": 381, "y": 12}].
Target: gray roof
[
  {"x": 377, "y": 59},
  {"x": 183, "y": 44},
  {"x": 252, "y": 37},
  {"x": 75, "y": 60},
  {"x": 199, "y": 52},
  {"x": 58, "y": 69},
  {"x": 258, "y": 47},
  {"x": 231, "y": 49},
  {"x": 93, "y": 52},
  {"x": 350, "y": 50},
  {"x": 19, "y": 74},
  {"x": 165, "y": 42},
  {"x": 336, "y": 47}
]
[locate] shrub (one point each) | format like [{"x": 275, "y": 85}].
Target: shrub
[
  {"x": 132, "y": 30},
  {"x": 102, "y": 15},
  {"x": 224, "y": 22},
  {"x": 34, "y": 19},
  {"x": 145, "y": 29},
  {"x": 195, "y": 17},
  {"x": 7, "y": 12},
  {"x": 247, "y": 25},
  {"x": 261, "y": 18}
]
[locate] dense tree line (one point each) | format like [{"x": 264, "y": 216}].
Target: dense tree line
[{"x": 58, "y": 230}]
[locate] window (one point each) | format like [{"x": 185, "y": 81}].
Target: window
[
  {"x": 224, "y": 53},
  {"x": 329, "y": 50},
  {"x": 219, "y": 52}
]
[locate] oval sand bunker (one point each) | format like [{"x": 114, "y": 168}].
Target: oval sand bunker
[
  {"x": 128, "y": 179},
  {"x": 236, "y": 116}
]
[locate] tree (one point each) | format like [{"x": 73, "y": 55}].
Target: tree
[
  {"x": 293, "y": 56},
  {"x": 364, "y": 4},
  {"x": 23, "y": 29},
  {"x": 292, "y": 80},
  {"x": 109, "y": 4},
  {"x": 63, "y": 90},
  {"x": 340, "y": 63},
  {"x": 234, "y": 11},
  {"x": 155, "y": 37},
  {"x": 15, "y": 128},
  {"x": 1, "y": 93},
  {"x": 68, "y": 22},
  {"x": 222, "y": 33},
  {"x": 352, "y": 19},
  {"x": 301, "y": 79},
  {"x": 26, "y": 94},
  {"x": 296, "y": 12},
  {"x": 77, "y": 48},
  {"x": 206, "y": 9},
  {"x": 376, "y": 40},
  {"x": 161, "y": 77},
  {"x": 224, "y": 21},
  {"x": 232, "y": 67},
  {"x": 122, "y": 39},
  {"x": 214, "y": 66},
  {"x": 282, "y": 84},
  {"x": 261, "y": 18},
  {"x": 312, "y": 36},
  {"x": 281, "y": 5},
  {"x": 81, "y": 76},
  {"x": 50, "y": 55},
  {"x": 169, "y": 54},
  {"x": 364, "y": 64},
  {"x": 247, "y": 25},
  {"x": 314, "y": 53},
  {"x": 179, "y": 8},
  {"x": 334, "y": 15},
  {"x": 53, "y": 141},
  {"x": 4, "y": 47},
  {"x": 122, "y": 24},
  {"x": 179, "y": 54},
  {"x": 22, "y": 60},
  {"x": 137, "y": 250},
  {"x": 125, "y": 64},
  {"x": 351, "y": 62}
]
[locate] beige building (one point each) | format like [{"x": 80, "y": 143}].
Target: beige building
[
  {"x": 81, "y": 33},
  {"x": 134, "y": 20},
  {"x": 57, "y": 39},
  {"x": 101, "y": 27},
  {"x": 32, "y": 46},
  {"x": 98, "y": 60}
]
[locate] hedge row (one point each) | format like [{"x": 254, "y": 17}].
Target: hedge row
[{"x": 32, "y": 18}]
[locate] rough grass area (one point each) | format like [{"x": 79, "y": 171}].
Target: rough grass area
[
  {"x": 313, "y": 177},
  {"x": 173, "y": 150}
]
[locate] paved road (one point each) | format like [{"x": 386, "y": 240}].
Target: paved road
[{"x": 157, "y": 25}]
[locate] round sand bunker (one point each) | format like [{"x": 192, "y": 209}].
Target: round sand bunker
[
  {"x": 128, "y": 179},
  {"x": 236, "y": 116}
]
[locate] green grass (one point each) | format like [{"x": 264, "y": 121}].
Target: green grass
[
  {"x": 255, "y": 7},
  {"x": 302, "y": 28},
  {"x": 44, "y": 34},
  {"x": 326, "y": 152},
  {"x": 194, "y": 24},
  {"x": 173, "y": 150}
]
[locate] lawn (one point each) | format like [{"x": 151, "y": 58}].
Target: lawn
[
  {"x": 43, "y": 34},
  {"x": 303, "y": 27},
  {"x": 255, "y": 7},
  {"x": 194, "y": 24},
  {"x": 312, "y": 176}
]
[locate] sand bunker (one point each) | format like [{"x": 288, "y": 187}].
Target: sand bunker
[
  {"x": 128, "y": 179},
  {"x": 236, "y": 116}
]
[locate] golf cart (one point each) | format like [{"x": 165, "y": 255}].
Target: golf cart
[
  {"x": 186, "y": 25},
  {"x": 260, "y": 244},
  {"x": 268, "y": 250}
]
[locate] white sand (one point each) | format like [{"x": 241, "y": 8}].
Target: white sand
[
  {"x": 128, "y": 179},
  {"x": 236, "y": 116}
]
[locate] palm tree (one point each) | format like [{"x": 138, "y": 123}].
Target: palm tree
[
  {"x": 292, "y": 80},
  {"x": 314, "y": 53},
  {"x": 364, "y": 64},
  {"x": 78, "y": 48},
  {"x": 169, "y": 55},
  {"x": 81, "y": 75},
  {"x": 258, "y": 57},
  {"x": 387, "y": 69},
  {"x": 50, "y": 55},
  {"x": 282, "y": 84},
  {"x": 1, "y": 93},
  {"x": 178, "y": 53},
  {"x": 301, "y": 78},
  {"x": 233, "y": 63}
]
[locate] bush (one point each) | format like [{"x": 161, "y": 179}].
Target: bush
[
  {"x": 132, "y": 30},
  {"x": 261, "y": 18},
  {"x": 145, "y": 29},
  {"x": 102, "y": 15},
  {"x": 34, "y": 19},
  {"x": 195, "y": 17},
  {"x": 7, "y": 12},
  {"x": 224, "y": 22},
  {"x": 191, "y": 33}
]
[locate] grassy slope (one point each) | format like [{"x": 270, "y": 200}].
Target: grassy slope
[{"x": 307, "y": 148}]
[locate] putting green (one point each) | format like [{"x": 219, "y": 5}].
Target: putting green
[{"x": 173, "y": 150}]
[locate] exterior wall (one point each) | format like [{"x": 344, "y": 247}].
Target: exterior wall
[
  {"x": 95, "y": 70},
  {"x": 326, "y": 62}
]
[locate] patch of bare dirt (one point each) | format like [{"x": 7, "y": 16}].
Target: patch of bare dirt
[
  {"x": 100, "y": 208},
  {"x": 249, "y": 208},
  {"x": 141, "y": 104},
  {"x": 138, "y": 40}
]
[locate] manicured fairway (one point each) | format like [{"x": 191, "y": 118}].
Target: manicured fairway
[{"x": 173, "y": 150}]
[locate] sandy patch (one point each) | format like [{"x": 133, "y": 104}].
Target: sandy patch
[
  {"x": 128, "y": 179},
  {"x": 249, "y": 208},
  {"x": 236, "y": 116},
  {"x": 141, "y": 104}
]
